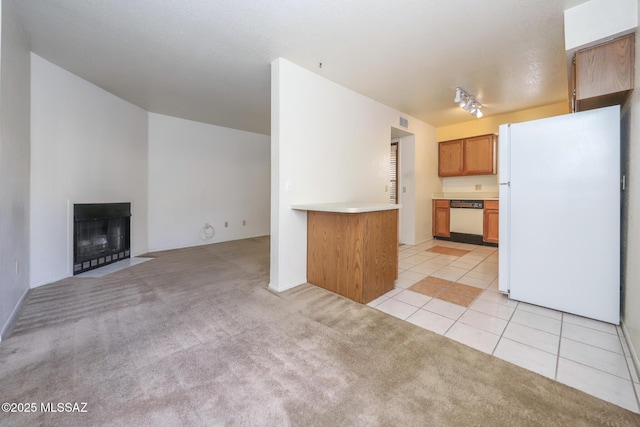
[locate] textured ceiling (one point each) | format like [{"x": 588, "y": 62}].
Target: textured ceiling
[{"x": 209, "y": 61}]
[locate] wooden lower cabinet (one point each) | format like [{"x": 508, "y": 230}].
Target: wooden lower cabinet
[
  {"x": 490, "y": 228},
  {"x": 353, "y": 254},
  {"x": 441, "y": 218}
]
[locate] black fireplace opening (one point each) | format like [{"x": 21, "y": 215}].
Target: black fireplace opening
[{"x": 101, "y": 234}]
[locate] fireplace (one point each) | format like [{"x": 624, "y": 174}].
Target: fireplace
[{"x": 101, "y": 234}]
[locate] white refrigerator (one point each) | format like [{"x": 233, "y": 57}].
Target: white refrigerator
[{"x": 559, "y": 221}]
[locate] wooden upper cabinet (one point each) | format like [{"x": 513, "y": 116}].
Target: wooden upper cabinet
[
  {"x": 604, "y": 74},
  {"x": 450, "y": 158},
  {"x": 469, "y": 156},
  {"x": 479, "y": 155}
]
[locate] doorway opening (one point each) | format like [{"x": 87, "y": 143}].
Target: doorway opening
[
  {"x": 393, "y": 174},
  {"x": 402, "y": 181}
]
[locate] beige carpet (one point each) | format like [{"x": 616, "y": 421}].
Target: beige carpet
[{"x": 194, "y": 337}]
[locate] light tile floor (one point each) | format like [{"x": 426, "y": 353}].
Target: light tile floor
[{"x": 583, "y": 353}]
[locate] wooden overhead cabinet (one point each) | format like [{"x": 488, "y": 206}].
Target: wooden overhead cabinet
[
  {"x": 450, "y": 158},
  {"x": 603, "y": 74},
  {"x": 468, "y": 156}
]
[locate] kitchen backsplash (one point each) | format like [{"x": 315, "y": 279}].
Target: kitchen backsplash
[
  {"x": 476, "y": 195},
  {"x": 470, "y": 184}
]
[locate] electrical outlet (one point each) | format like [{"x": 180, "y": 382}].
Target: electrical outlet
[
  {"x": 244, "y": 222},
  {"x": 226, "y": 224},
  {"x": 386, "y": 188},
  {"x": 404, "y": 189},
  {"x": 478, "y": 187}
]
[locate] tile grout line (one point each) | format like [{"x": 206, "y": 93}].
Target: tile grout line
[
  {"x": 626, "y": 361},
  {"x": 449, "y": 328},
  {"x": 540, "y": 314},
  {"x": 463, "y": 313},
  {"x": 599, "y": 370},
  {"x": 458, "y": 319},
  {"x": 555, "y": 376},
  {"x": 595, "y": 346},
  {"x": 537, "y": 329},
  {"x": 505, "y": 328},
  {"x": 412, "y": 313}
]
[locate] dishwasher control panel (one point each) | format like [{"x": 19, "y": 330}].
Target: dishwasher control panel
[{"x": 467, "y": 204}]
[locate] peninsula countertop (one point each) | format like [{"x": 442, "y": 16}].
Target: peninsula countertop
[{"x": 346, "y": 207}]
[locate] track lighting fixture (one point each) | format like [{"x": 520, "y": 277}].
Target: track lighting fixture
[{"x": 468, "y": 102}]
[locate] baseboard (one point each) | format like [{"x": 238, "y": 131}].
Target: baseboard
[
  {"x": 6, "y": 328},
  {"x": 48, "y": 281},
  {"x": 422, "y": 241},
  {"x": 283, "y": 288},
  {"x": 204, "y": 243},
  {"x": 634, "y": 354},
  {"x": 474, "y": 239}
]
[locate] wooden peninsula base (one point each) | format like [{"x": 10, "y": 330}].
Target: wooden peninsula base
[{"x": 352, "y": 250}]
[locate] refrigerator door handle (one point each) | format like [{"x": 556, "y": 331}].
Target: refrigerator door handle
[{"x": 506, "y": 183}]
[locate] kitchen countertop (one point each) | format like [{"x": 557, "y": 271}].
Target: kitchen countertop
[
  {"x": 465, "y": 196},
  {"x": 345, "y": 207}
]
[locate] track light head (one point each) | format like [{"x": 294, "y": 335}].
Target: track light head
[{"x": 468, "y": 102}]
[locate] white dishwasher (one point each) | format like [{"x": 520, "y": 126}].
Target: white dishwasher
[{"x": 467, "y": 216}]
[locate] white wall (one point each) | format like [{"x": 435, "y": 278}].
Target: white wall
[
  {"x": 87, "y": 146},
  {"x": 14, "y": 165},
  {"x": 595, "y": 20},
  {"x": 426, "y": 179},
  {"x": 332, "y": 145},
  {"x": 201, "y": 173},
  {"x": 631, "y": 216}
]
